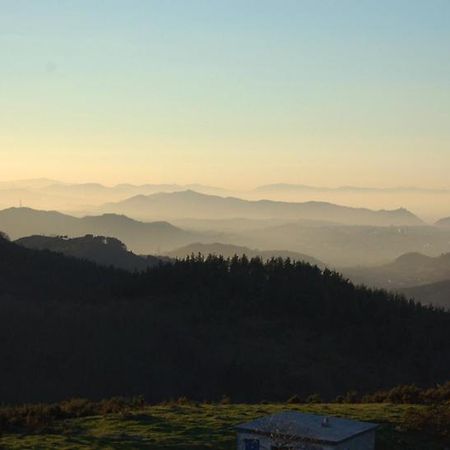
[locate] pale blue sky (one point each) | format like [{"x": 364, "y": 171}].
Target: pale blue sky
[{"x": 226, "y": 92}]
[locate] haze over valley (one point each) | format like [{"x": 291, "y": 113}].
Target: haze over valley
[
  {"x": 369, "y": 246},
  {"x": 429, "y": 204}
]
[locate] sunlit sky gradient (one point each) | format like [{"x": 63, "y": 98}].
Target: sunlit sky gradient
[{"x": 230, "y": 93}]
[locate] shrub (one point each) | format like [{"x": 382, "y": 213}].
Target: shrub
[
  {"x": 411, "y": 394},
  {"x": 313, "y": 398},
  {"x": 38, "y": 416},
  {"x": 432, "y": 420},
  {"x": 225, "y": 400},
  {"x": 78, "y": 407},
  {"x": 294, "y": 399},
  {"x": 352, "y": 397}
]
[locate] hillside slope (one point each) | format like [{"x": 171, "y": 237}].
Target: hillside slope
[
  {"x": 102, "y": 250},
  {"x": 177, "y": 426},
  {"x": 43, "y": 275},
  {"x": 203, "y": 329}
]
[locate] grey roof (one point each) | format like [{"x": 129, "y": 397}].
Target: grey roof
[{"x": 307, "y": 427}]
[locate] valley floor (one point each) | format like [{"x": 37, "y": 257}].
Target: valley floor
[{"x": 206, "y": 426}]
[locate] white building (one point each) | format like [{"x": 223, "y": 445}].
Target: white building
[{"x": 291, "y": 430}]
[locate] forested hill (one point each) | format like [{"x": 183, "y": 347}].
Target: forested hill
[
  {"x": 103, "y": 250},
  {"x": 45, "y": 275},
  {"x": 203, "y": 328},
  {"x": 229, "y": 250}
]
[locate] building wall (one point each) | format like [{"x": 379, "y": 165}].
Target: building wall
[
  {"x": 266, "y": 443},
  {"x": 365, "y": 441}
]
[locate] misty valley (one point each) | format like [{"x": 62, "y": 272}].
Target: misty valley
[{"x": 394, "y": 250}]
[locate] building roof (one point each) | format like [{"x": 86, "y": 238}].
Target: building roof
[{"x": 309, "y": 427}]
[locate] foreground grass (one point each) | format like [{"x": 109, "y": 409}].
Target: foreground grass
[{"x": 204, "y": 426}]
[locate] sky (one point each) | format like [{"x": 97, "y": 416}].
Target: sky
[{"x": 227, "y": 93}]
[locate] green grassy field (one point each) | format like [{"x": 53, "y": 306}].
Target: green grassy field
[{"x": 204, "y": 426}]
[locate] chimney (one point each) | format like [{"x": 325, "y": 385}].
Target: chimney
[{"x": 325, "y": 422}]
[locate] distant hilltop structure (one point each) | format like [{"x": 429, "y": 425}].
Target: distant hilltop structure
[{"x": 299, "y": 431}]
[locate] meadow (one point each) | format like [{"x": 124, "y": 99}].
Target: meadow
[{"x": 202, "y": 426}]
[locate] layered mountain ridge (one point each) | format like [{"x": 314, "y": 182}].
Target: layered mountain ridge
[{"x": 190, "y": 203}]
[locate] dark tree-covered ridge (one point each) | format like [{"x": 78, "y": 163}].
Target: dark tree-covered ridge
[
  {"x": 103, "y": 250},
  {"x": 205, "y": 327}
]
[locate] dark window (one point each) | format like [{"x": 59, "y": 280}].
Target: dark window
[{"x": 251, "y": 444}]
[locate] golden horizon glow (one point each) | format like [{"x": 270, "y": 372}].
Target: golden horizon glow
[{"x": 304, "y": 93}]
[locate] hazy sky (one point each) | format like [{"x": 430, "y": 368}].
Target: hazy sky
[{"x": 231, "y": 93}]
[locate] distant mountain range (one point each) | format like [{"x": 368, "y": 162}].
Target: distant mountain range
[
  {"x": 140, "y": 237},
  {"x": 242, "y": 224},
  {"x": 341, "y": 246},
  {"x": 49, "y": 184},
  {"x": 126, "y": 189},
  {"x": 424, "y": 278},
  {"x": 410, "y": 269},
  {"x": 339, "y": 235},
  {"x": 229, "y": 250},
  {"x": 191, "y": 204},
  {"x": 33, "y": 183},
  {"x": 336, "y": 244},
  {"x": 86, "y": 198},
  {"x": 51, "y": 194},
  {"x": 102, "y": 250},
  {"x": 349, "y": 246},
  {"x": 286, "y": 187},
  {"x": 445, "y": 222}
]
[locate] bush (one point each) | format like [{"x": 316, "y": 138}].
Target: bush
[
  {"x": 438, "y": 394},
  {"x": 352, "y": 397},
  {"x": 294, "y": 399},
  {"x": 432, "y": 420},
  {"x": 183, "y": 401},
  {"x": 314, "y": 398},
  {"x": 411, "y": 394},
  {"x": 404, "y": 394},
  {"x": 78, "y": 407},
  {"x": 225, "y": 400},
  {"x": 38, "y": 416}
]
